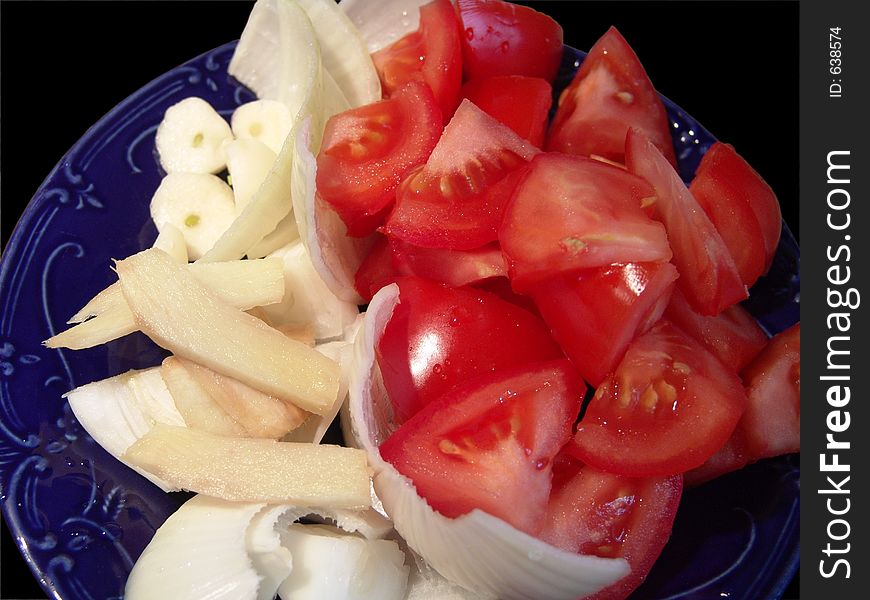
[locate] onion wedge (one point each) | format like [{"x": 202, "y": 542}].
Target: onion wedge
[
  {"x": 382, "y": 23},
  {"x": 478, "y": 551}
]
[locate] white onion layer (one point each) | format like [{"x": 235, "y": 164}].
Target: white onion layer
[
  {"x": 478, "y": 551},
  {"x": 382, "y": 23}
]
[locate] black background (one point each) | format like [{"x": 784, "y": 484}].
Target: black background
[{"x": 731, "y": 65}]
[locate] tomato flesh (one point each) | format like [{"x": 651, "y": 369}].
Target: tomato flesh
[
  {"x": 742, "y": 206},
  {"x": 521, "y": 103},
  {"x": 367, "y": 151},
  {"x": 440, "y": 336},
  {"x": 733, "y": 336},
  {"x": 596, "y": 313},
  {"x": 666, "y": 409},
  {"x": 453, "y": 267},
  {"x": 501, "y": 38},
  {"x": 570, "y": 213},
  {"x": 431, "y": 54},
  {"x": 612, "y": 516},
  {"x": 610, "y": 93},
  {"x": 457, "y": 199},
  {"x": 708, "y": 275},
  {"x": 490, "y": 443}
]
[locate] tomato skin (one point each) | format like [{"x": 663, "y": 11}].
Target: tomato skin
[
  {"x": 570, "y": 213},
  {"x": 668, "y": 407},
  {"x": 500, "y": 38},
  {"x": 596, "y": 313},
  {"x": 456, "y": 200},
  {"x": 725, "y": 183},
  {"x": 733, "y": 336},
  {"x": 490, "y": 443},
  {"x": 708, "y": 275},
  {"x": 440, "y": 336},
  {"x": 610, "y": 93},
  {"x": 612, "y": 516},
  {"x": 432, "y": 54},
  {"x": 367, "y": 151},
  {"x": 453, "y": 267},
  {"x": 521, "y": 103}
]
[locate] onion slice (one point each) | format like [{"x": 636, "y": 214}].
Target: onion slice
[
  {"x": 382, "y": 23},
  {"x": 478, "y": 551}
]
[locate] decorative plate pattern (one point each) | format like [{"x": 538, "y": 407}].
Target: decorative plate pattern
[{"x": 81, "y": 518}]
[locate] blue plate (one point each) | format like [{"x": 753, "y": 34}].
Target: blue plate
[{"x": 81, "y": 518}]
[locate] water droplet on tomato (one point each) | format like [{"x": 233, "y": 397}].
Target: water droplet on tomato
[
  {"x": 505, "y": 46},
  {"x": 459, "y": 315},
  {"x": 469, "y": 33},
  {"x": 542, "y": 464}
]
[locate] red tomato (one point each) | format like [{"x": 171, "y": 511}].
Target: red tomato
[
  {"x": 708, "y": 275},
  {"x": 613, "y": 516},
  {"x": 610, "y": 93},
  {"x": 667, "y": 408},
  {"x": 432, "y": 54},
  {"x": 457, "y": 199},
  {"x": 376, "y": 271},
  {"x": 367, "y": 151},
  {"x": 571, "y": 213},
  {"x": 490, "y": 443},
  {"x": 596, "y": 313},
  {"x": 453, "y": 267},
  {"x": 743, "y": 207},
  {"x": 733, "y": 336},
  {"x": 521, "y": 103},
  {"x": 440, "y": 336},
  {"x": 771, "y": 424},
  {"x": 500, "y": 38}
]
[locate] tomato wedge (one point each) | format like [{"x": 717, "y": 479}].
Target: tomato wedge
[
  {"x": 490, "y": 443},
  {"x": 453, "y": 267},
  {"x": 610, "y": 93},
  {"x": 457, "y": 199},
  {"x": 612, "y": 516},
  {"x": 439, "y": 336},
  {"x": 668, "y": 407},
  {"x": 367, "y": 151},
  {"x": 521, "y": 103},
  {"x": 771, "y": 424},
  {"x": 571, "y": 213},
  {"x": 742, "y": 206},
  {"x": 501, "y": 38},
  {"x": 432, "y": 54},
  {"x": 733, "y": 336},
  {"x": 596, "y": 313},
  {"x": 376, "y": 270},
  {"x": 708, "y": 275}
]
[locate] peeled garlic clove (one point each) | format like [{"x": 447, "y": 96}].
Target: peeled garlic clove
[
  {"x": 190, "y": 138},
  {"x": 478, "y": 551},
  {"x": 266, "y": 121},
  {"x": 198, "y": 552},
  {"x": 199, "y": 205}
]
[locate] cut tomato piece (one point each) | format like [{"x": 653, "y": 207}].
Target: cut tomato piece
[
  {"x": 733, "y": 336},
  {"x": 610, "y": 93},
  {"x": 771, "y": 424},
  {"x": 612, "y": 516},
  {"x": 708, "y": 276},
  {"x": 367, "y": 151},
  {"x": 376, "y": 270},
  {"x": 432, "y": 54},
  {"x": 596, "y": 313},
  {"x": 457, "y": 199},
  {"x": 571, "y": 213},
  {"x": 439, "y": 336},
  {"x": 453, "y": 267},
  {"x": 490, "y": 443},
  {"x": 668, "y": 407},
  {"x": 501, "y": 38},
  {"x": 742, "y": 206},
  {"x": 521, "y": 103}
]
